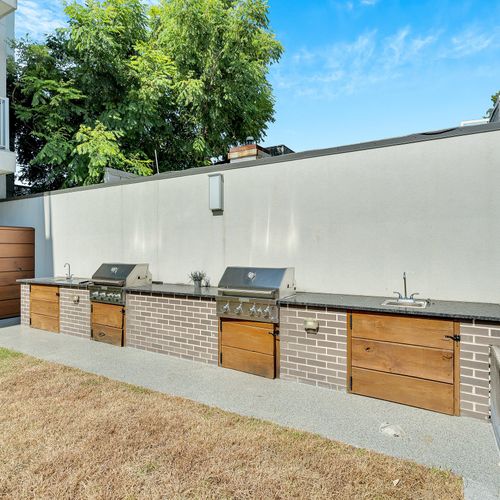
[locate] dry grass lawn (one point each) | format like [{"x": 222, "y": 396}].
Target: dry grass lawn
[{"x": 69, "y": 434}]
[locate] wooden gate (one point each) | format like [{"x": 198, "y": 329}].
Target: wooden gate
[{"x": 17, "y": 261}]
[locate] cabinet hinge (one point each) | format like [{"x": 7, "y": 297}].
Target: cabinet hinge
[
  {"x": 220, "y": 358},
  {"x": 350, "y": 383},
  {"x": 350, "y": 321}
]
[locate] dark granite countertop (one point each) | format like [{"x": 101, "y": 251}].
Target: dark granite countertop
[
  {"x": 75, "y": 282},
  {"x": 437, "y": 308},
  {"x": 173, "y": 289}
]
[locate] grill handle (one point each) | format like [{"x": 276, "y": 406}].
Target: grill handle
[{"x": 248, "y": 293}]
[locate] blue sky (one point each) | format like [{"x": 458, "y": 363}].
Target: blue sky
[{"x": 357, "y": 70}]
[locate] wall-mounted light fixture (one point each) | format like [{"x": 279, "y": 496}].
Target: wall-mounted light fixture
[
  {"x": 311, "y": 325},
  {"x": 216, "y": 193}
]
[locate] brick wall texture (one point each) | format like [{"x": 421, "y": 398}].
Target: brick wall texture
[
  {"x": 185, "y": 327},
  {"x": 74, "y": 317},
  {"x": 476, "y": 339},
  {"x": 25, "y": 304},
  {"x": 318, "y": 359}
]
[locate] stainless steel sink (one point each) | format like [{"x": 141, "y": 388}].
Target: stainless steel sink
[
  {"x": 414, "y": 304},
  {"x": 405, "y": 301},
  {"x": 71, "y": 281}
]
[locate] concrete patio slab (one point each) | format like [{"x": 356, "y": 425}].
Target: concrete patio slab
[{"x": 461, "y": 444}]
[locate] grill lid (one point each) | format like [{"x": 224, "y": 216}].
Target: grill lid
[
  {"x": 122, "y": 274},
  {"x": 247, "y": 280}
]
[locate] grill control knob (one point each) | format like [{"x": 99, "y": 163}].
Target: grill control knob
[
  {"x": 225, "y": 308},
  {"x": 253, "y": 310},
  {"x": 259, "y": 311},
  {"x": 266, "y": 312},
  {"x": 239, "y": 309}
]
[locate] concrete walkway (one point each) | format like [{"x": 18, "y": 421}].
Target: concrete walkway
[{"x": 463, "y": 445}]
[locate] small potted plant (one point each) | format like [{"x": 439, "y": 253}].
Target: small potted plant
[{"x": 197, "y": 278}]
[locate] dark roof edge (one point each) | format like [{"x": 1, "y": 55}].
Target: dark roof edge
[{"x": 314, "y": 153}]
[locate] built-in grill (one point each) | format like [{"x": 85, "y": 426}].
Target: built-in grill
[
  {"x": 109, "y": 281},
  {"x": 247, "y": 305},
  {"x": 252, "y": 293}
]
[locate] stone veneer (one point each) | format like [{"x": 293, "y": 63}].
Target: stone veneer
[
  {"x": 318, "y": 359},
  {"x": 185, "y": 327},
  {"x": 476, "y": 339},
  {"x": 25, "y": 305},
  {"x": 74, "y": 316}
]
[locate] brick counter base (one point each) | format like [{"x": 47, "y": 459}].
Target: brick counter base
[
  {"x": 185, "y": 327},
  {"x": 318, "y": 359},
  {"x": 475, "y": 367},
  {"x": 25, "y": 304},
  {"x": 74, "y": 317}
]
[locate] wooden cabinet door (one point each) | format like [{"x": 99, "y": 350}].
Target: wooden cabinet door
[
  {"x": 108, "y": 323},
  {"x": 44, "y": 323},
  {"x": 44, "y": 292},
  {"x": 107, "y": 334},
  {"x": 44, "y": 307},
  {"x": 107, "y": 314},
  {"x": 404, "y": 359},
  {"x": 248, "y": 346}
]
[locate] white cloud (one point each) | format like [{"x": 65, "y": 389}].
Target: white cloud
[
  {"x": 350, "y": 5},
  {"x": 470, "y": 42},
  {"x": 402, "y": 47},
  {"x": 36, "y": 18},
  {"x": 345, "y": 67},
  {"x": 348, "y": 66}
]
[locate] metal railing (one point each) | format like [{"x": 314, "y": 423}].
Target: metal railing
[
  {"x": 4, "y": 124},
  {"x": 495, "y": 391}
]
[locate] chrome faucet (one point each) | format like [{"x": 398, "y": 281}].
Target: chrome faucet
[
  {"x": 68, "y": 274},
  {"x": 405, "y": 298}
]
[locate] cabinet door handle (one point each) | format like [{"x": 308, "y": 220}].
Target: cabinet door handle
[
  {"x": 101, "y": 334},
  {"x": 456, "y": 338}
]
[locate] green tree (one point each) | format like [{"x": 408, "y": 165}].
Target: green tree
[
  {"x": 185, "y": 79},
  {"x": 494, "y": 99}
]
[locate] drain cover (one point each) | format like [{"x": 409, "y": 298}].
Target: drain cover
[{"x": 391, "y": 430}]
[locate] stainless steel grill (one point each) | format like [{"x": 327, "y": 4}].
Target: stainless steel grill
[
  {"x": 109, "y": 281},
  {"x": 252, "y": 293}
]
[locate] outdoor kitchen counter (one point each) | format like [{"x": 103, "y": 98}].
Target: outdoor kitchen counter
[
  {"x": 437, "y": 308},
  {"x": 174, "y": 290},
  {"x": 81, "y": 283}
]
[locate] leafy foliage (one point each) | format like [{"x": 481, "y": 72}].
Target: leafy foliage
[
  {"x": 185, "y": 79},
  {"x": 494, "y": 99}
]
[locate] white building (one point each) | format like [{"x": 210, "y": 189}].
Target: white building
[{"x": 7, "y": 156}]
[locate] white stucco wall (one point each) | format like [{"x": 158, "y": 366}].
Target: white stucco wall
[{"x": 349, "y": 223}]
